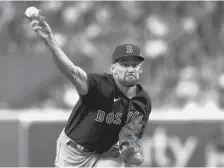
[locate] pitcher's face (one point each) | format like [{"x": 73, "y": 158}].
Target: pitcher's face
[{"x": 127, "y": 70}]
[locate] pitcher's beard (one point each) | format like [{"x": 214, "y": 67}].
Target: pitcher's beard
[
  {"x": 130, "y": 81},
  {"x": 128, "y": 84}
]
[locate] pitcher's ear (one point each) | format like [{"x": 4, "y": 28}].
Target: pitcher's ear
[
  {"x": 141, "y": 67},
  {"x": 112, "y": 67}
]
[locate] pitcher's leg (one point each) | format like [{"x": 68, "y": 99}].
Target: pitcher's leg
[
  {"x": 70, "y": 157},
  {"x": 67, "y": 156}
]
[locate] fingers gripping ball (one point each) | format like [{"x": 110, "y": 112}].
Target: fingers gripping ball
[
  {"x": 31, "y": 12},
  {"x": 37, "y": 21},
  {"x": 128, "y": 142}
]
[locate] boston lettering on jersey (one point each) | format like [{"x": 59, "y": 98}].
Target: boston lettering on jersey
[{"x": 97, "y": 117}]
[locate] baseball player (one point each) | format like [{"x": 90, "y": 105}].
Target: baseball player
[{"x": 107, "y": 102}]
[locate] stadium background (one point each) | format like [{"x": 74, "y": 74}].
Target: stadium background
[{"x": 183, "y": 72}]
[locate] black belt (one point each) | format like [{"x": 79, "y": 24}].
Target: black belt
[{"x": 80, "y": 148}]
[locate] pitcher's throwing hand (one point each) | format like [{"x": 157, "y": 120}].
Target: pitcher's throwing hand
[{"x": 38, "y": 22}]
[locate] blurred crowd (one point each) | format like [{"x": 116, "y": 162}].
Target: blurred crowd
[{"x": 182, "y": 42}]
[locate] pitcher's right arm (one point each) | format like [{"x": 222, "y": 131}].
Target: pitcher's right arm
[{"x": 74, "y": 73}]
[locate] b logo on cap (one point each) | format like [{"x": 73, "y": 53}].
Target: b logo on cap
[{"x": 129, "y": 49}]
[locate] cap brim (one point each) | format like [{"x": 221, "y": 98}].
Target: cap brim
[{"x": 137, "y": 56}]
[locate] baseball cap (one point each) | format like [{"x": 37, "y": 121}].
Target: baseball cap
[{"x": 125, "y": 50}]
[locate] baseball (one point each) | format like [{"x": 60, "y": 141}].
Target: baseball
[{"x": 31, "y": 12}]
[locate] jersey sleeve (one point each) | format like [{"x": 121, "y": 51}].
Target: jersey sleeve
[
  {"x": 145, "y": 120},
  {"x": 99, "y": 90}
]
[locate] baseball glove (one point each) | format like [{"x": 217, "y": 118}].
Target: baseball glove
[{"x": 130, "y": 149}]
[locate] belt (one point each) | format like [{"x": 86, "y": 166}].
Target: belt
[{"x": 79, "y": 147}]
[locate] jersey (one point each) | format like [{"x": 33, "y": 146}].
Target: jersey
[{"x": 98, "y": 116}]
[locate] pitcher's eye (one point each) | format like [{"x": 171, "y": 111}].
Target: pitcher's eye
[
  {"x": 125, "y": 64},
  {"x": 134, "y": 65}
]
